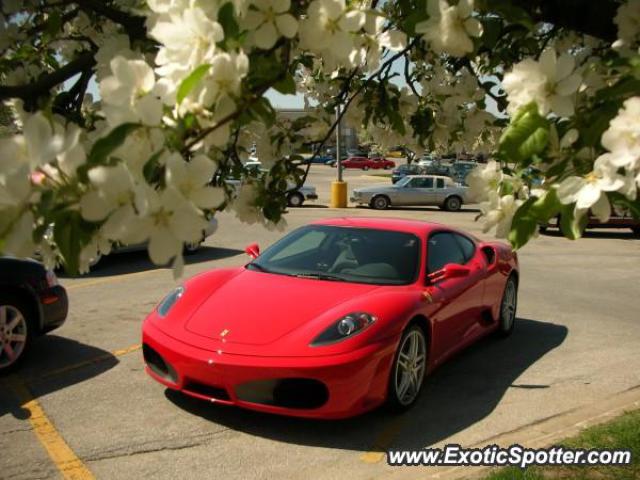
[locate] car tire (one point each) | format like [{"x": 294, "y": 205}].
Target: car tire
[
  {"x": 365, "y": 168},
  {"x": 453, "y": 204},
  {"x": 381, "y": 202},
  {"x": 636, "y": 231},
  {"x": 295, "y": 199},
  {"x": 542, "y": 228},
  {"x": 407, "y": 370},
  {"x": 192, "y": 248},
  {"x": 16, "y": 318},
  {"x": 508, "y": 307}
]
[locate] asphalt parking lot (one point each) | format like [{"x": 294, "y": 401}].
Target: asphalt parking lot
[{"x": 82, "y": 404}]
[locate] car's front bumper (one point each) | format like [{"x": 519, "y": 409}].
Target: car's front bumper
[{"x": 349, "y": 384}]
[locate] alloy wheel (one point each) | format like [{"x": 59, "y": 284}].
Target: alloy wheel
[
  {"x": 508, "y": 309},
  {"x": 410, "y": 367},
  {"x": 13, "y": 335}
]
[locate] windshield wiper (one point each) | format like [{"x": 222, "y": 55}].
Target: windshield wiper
[{"x": 320, "y": 276}]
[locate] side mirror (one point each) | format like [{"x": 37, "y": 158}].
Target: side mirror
[
  {"x": 253, "y": 250},
  {"x": 450, "y": 270}
]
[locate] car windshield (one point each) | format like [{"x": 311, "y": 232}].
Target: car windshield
[
  {"x": 402, "y": 182},
  {"x": 344, "y": 254}
]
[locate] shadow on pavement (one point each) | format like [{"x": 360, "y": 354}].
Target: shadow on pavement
[
  {"x": 456, "y": 396},
  {"x": 604, "y": 233},
  {"x": 53, "y": 364},
  {"x": 128, "y": 262}
]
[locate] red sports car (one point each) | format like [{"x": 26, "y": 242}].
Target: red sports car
[
  {"x": 334, "y": 319},
  {"x": 366, "y": 163}
]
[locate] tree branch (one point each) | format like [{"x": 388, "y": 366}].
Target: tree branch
[{"x": 133, "y": 24}]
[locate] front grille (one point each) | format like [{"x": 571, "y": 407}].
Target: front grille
[
  {"x": 157, "y": 364},
  {"x": 298, "y": 393},
  {"x": 209, "y": 391}
]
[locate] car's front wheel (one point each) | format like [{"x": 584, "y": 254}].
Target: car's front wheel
[
  {"x": 408, "y": 369},
  {"x": 380, "y": 202},
  {"x": 16, "y": 332},
  {"x": 508, "y": 307}
]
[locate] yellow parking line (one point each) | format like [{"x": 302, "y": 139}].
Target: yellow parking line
[
  {"x": 69, "y": 465},
  {"x": 114, "y": 279},
  {"x": 383, "y": 441},
  {"x": 91, "y": 361}
]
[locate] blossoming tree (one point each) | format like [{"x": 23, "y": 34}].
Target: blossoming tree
[{"x": 553, "y": 88}]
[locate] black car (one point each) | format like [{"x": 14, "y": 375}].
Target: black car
[
  {"x": 404, "y": 170},
  {"x": 32, "y": 303}
]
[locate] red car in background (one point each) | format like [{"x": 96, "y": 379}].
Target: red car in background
[
  {"x": 335, "y": 319},
  {"x": 366, "y": 163}
]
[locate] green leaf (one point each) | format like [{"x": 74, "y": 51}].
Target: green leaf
[
  {"x": 188, "y": 84},
  {"x": 71, "y": 233},
  {"x": 227, "y": 19},
  {"x": 570, "y": 226},
  {"x": 525, "y": 137},
  {"x": 106, "y": 145},
  {"x": 523, "y": 226},
  {"x": 286, "y": 86}
]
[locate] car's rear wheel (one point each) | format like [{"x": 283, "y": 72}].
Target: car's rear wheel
[
  {"x": 380, "y": 202},
  {"x": 453, "y": 204},
  {"x": 408, "y": 369},
  {"x": 508, "y": 307},
  {"x": 295, "y": 199},
  {"x": 16, "y": 332}
]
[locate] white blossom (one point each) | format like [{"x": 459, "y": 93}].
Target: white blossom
[
  {"x": 498, "y": 212},
  {"x": 628, "y": 21},
  {"x": 483, "y": 180},
  {"x": 550, "y": 82},
  {"x": 128, "y": 94},
  {"x": 268, "y": 20},
  {"x": 450, "y": 27},
  {"x": 192, "y": 179},
  {"x": 622, "y": 138},
  {"x": 589, "y": 192}
]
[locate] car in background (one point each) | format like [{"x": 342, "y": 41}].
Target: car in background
[
  {"x": 295, "y": 198},
  {"x": 620, "y": 218},
  {"x": 32, "y": 303},
  {"x": 398, "y": 152},
  {"x": 437, "y": 167},
  {"x": 427, "y": 160},
  {"x": 335, "y": 319},
  {"x": 413, "y": 190},
  {"x": 459, "y": 171},
  {"x": 368, "y": 163},
  {"x": 406, "y": 169}
]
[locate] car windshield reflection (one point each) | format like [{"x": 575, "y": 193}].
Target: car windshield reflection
[{"x": 346, "y": 254}]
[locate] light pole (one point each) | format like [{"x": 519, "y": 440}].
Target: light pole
[{"x": 338, "y": 187}]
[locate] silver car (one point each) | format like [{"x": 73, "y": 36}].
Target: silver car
[
  {"x": 295, "y": 198},
  {"x": 414, "y": 190}
]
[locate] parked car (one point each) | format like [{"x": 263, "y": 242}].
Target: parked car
[
  {"x": 295, "y": 198},
  {"x": 32, "y": 303},
  {"x": 345, "y": 315},
  {"x": 404, "y": 170},
  {"x": 413, "y": 190},
  {"x": 619, "y": 219},
  {"x": 437, "y": 167},
  {"x": 397, "y": 152},
  {"x": 427, "y": 160},
  {"x": 459, "y": 171},
  {"x": 368, "y": 163}
]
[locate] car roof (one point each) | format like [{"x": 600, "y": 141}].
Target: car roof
[
  {"x": 429, "y": 176},
  {"x": 387, "y": 223}
]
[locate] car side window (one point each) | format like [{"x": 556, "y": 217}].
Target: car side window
[
  {"x": 442, "y": 248},
  {"x": 440, "y": 183},
  {"x": 423, "y": 182},
  {"x": 467, "y": 246}
]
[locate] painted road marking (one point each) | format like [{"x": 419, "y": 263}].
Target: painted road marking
[
  {"x": 114, "y": 279},
  {"x": 91, "y": 361},
  {"x": 383, "y": 441},
  {"x": 65, "y": 460}
]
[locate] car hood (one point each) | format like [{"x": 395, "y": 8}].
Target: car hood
[{"x": 256, "y": 308}]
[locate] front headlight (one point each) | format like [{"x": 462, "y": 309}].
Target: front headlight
[
  {"x": 346, "y": 327},
  {"x": 169, "y": 301}
]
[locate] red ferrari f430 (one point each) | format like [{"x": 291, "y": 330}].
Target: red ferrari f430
[{"x": 337, "y": 318}]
